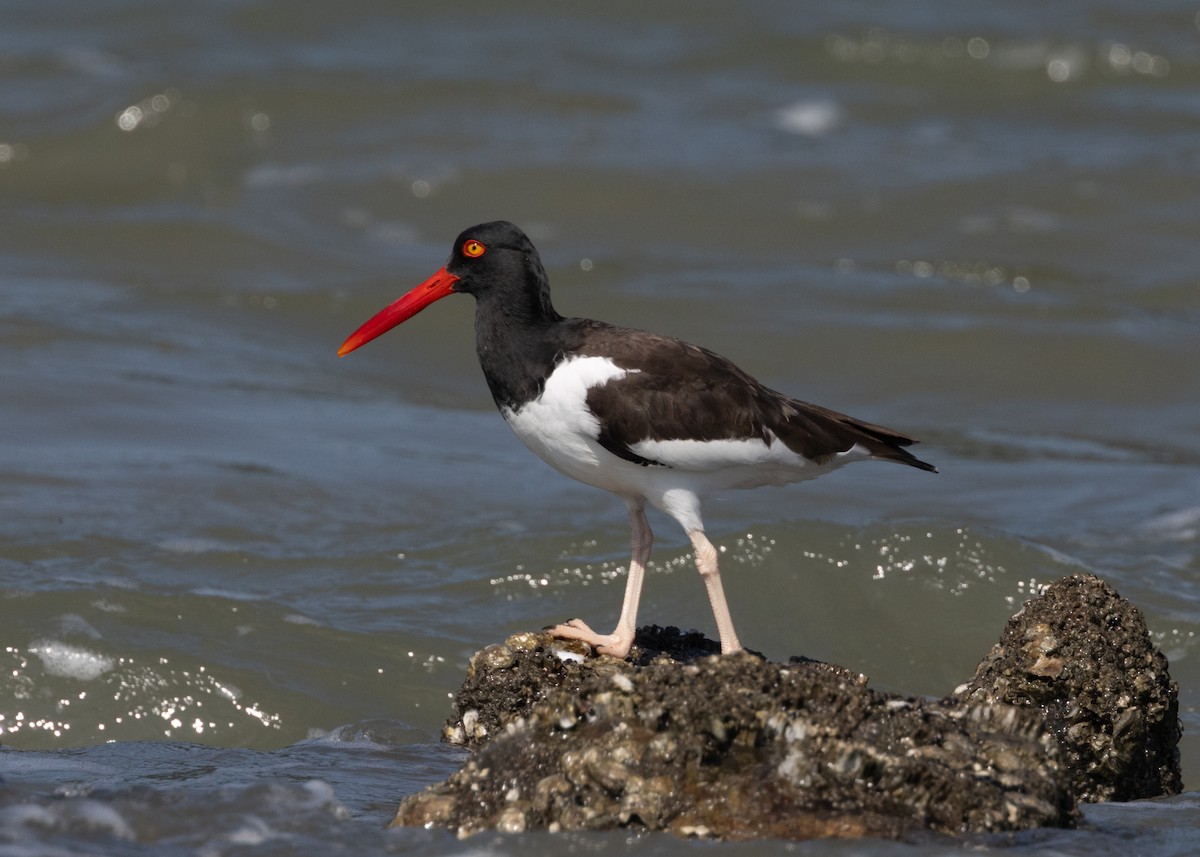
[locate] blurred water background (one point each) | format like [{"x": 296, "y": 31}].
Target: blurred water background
[{"x": 240, "y": 578}]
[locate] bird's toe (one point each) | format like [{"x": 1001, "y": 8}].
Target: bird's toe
[{"x": 615, "y": 644}]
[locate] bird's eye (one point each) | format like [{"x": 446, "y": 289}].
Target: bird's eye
[{"x": 473, "y": 248}]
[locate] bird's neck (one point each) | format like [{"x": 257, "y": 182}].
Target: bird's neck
[{"x": 518, "y": 338}]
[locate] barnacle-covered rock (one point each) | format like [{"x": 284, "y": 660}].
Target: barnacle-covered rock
[
  {"x": 733, "y": 747},
  {"x": 682, "y": 739},
  {"x": 1081, "y": 655}
]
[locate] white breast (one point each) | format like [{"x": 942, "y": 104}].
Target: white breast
[{"x": 558, "y": 426}]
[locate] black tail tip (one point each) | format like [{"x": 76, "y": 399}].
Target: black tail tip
[{"x": 903, "y": 456}]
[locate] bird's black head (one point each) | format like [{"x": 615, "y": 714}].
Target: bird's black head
[
  {"x": 498, "y": 264},
  {"x": 486, "y": 255}
]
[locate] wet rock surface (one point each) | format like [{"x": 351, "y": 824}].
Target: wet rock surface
[
  {"x": 1082, "y": 656},
  {"x": 732, "y": 747},
  {"x": 681, "y": 739},
  {"x": 505, "y": 680}
]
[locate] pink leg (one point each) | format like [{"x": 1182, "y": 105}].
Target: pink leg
[
  {"x": 706, "y": 564},
  {"x": 620, "y": 640}
]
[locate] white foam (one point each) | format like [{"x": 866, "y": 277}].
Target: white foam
[
  {"x": 68, "y": 815},
  {"x": 254, "y": 831},
  {"x": 810, "y": 118},
  {"x": 1180, "y": 525},
  {"x": 100, "y": 817},
  {"x": 191, "y": 546},
  {"x": 300, "y": 619},
  {"x": 67, "y": 661}
]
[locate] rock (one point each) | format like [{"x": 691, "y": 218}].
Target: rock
[
  {"x": 1074, "y": 703},
  {"x": 493, "y": 695},
  {"x": 1081, "y": 655},
  {"x": 731, "y": 747}
]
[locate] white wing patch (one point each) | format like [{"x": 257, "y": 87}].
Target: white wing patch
[
  {"x": 757, "y": 462},
  {"x": 710, "y": 454}
]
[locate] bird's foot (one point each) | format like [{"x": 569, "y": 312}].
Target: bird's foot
[{"x": 615, "y": 644}]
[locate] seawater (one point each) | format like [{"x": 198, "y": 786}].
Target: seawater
[{"x": 240, "y": 578}]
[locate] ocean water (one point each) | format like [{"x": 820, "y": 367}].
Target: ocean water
[{"x": 240, "y": 578}]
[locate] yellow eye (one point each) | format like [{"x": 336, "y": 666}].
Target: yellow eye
[{"x": 473, "y": 248}]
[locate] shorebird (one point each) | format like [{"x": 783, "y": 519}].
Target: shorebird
[{"x": 651, "y": 418}]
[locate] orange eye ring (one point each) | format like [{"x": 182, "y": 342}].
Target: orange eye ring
[{"x": 473, "y": 248}]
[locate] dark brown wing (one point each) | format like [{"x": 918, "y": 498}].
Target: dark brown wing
[{"x": 679, "y": 391}]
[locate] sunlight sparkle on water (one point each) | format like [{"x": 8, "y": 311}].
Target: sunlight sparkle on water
[
  {"x": 43, "y": 686},
  {"x": 147, "y": 112}
]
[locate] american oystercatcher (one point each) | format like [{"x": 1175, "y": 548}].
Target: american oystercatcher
[{"x": 650, "y": 418}]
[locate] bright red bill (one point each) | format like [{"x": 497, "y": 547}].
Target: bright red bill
[{"x": 433, "y": 289}]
